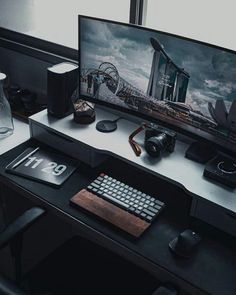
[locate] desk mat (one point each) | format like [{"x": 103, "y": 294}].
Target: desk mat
[{"x": 109, "y": 212}]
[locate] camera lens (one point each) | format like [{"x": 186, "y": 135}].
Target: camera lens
[{"x": 156, "y": 144}]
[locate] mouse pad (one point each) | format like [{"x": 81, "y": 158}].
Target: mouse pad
[{"x": 42, "y": 165}]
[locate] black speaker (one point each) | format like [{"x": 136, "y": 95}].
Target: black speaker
[{"x": 61, "y": 83}]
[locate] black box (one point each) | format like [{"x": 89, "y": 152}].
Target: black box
[
  {"x": 61, "y": 83},
  {"x": 223, "y": 169}
]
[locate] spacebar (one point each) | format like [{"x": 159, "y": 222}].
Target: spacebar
[{"x": 115, "y": 201}]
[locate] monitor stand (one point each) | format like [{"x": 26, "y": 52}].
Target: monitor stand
[
  {"x": 200, "y": 152},
  {"x": 107, "y": 125}
]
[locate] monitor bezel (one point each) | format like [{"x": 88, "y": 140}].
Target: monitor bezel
[{"x": 145, "y": 117}]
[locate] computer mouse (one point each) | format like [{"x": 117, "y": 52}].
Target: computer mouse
[{"x": 185, "y": 244}]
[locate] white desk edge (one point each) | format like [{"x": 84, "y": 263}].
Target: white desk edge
[
  {"x": 21, "y": 133},
  {"x": 173, "y": 167}
]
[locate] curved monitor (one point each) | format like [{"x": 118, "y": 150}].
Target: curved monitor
[{"x": 188, "y": 85}]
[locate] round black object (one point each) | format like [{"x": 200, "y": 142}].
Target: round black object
[
  {"x": 227, "y": 167},
  {"x": 106, "y": 126},
  {"x": 156, "y": 144}
]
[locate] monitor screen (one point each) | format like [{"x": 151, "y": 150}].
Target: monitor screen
[{"x": 186, "y": 84}]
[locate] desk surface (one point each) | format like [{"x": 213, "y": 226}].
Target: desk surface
[
  {"x": 20, "y": 134},
  {"x": 173, "y": 167},
  {"x": 212, "y": 269}
]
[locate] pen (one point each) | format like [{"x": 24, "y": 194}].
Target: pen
[{"x": 23, "y": 159}]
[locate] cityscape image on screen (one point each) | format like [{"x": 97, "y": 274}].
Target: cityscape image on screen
[{"x": 187, "y": 84}]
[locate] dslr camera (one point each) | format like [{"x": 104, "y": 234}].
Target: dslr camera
[{"x": 158, "y": 140}]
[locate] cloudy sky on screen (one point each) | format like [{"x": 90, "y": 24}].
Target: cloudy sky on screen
[{"x": 212, "y": 71}]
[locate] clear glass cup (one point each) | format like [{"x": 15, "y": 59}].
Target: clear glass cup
[{"x": 6, "y": 121}]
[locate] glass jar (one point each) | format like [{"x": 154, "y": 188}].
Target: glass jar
[{"x": 6, "y": 122}]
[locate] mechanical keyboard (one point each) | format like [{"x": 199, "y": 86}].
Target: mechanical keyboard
[
  {"x": 119, "y": 204},
  {"x": 128, "y": 198}
]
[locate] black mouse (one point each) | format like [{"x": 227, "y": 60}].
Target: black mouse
[{"x": 185, "y": 244}]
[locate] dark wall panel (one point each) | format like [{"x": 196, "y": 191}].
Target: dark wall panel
[{"x": 26, "y": 71}]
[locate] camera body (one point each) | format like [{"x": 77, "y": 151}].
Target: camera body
[{"x": 158, "y": 140}]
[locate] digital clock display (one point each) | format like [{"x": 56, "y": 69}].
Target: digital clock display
[{"x": 42, "y": 165}]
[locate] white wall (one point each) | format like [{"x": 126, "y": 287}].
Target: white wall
[
  {"x": 211, "y": 21},
  {"x": 57, "y": 20}
]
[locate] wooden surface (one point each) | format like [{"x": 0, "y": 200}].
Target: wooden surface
[{"x": 109, "y": 212}]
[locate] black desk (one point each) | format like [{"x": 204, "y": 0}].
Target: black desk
[{"x": 213, "y": 268}]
